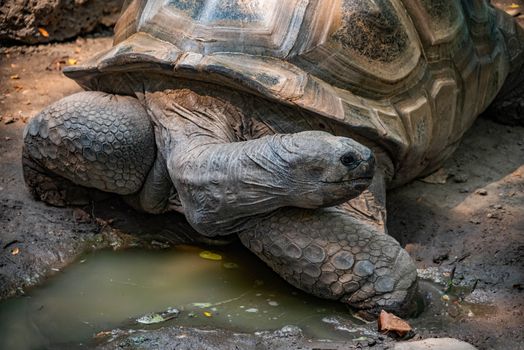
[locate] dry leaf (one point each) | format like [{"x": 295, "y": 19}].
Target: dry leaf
[
  {"x": 103, "y": 334},
  {"x": 390, "y": 323},
  {"x": 15, "y": 77},
  {"x": 43, "y": 32},
  {"x": 514, "y": 6},
  {"x": 15, "y": 251},
  {"x": 208, "y": 314},
  {"x": 210, "y": 255},
  {"x": 71, "y": 61}
]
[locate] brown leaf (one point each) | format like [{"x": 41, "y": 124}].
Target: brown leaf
[
  {"x": 57, "y": 63},
  {"x": 390, "y": 323},
  {"x": 43, "y": 32}
]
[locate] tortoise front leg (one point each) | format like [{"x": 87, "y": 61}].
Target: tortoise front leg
[
  {"x": 341, "y": 253},
  {"x": 93, "y": 140}
]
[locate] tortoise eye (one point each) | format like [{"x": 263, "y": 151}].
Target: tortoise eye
[{"x": 349, "y": 160}]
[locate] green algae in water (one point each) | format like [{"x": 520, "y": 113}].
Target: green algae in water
[{"x": 108, "y": 290}]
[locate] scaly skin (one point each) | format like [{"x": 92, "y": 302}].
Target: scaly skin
[
  {"x": 226, "y": 186},
  {"x": 336, "y": 254},
  {"x": 94, "y": 140}
]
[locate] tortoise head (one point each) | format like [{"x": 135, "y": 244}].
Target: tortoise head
[{"x": 322, "y": 169}]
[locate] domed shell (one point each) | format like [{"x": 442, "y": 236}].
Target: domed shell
[{"x": 383, "y": 68}]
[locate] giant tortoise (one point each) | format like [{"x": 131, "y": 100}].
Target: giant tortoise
[{"x": 282, "y": 122}]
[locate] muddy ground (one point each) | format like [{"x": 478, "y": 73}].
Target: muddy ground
[{"x": 472, "y": 222}]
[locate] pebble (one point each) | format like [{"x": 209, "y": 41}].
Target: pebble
[
  {"x": 460, "y": 178},
  {"x": 252, "y": 310},
  {"x": 481, "y": 192},
  {"x": 8, "y": 120},
  {"x": 435, "y": 344}
]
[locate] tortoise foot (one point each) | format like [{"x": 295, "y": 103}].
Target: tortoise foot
[{"x": 335, "y": 254}]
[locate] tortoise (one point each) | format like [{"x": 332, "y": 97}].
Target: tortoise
[{"x": 281, "y": 122}]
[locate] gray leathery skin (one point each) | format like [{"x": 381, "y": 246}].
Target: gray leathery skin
[
  {"x": 335, "y": 254},
  {"x": 95, "y": 140},
  {"x": 220, "y": 182}
]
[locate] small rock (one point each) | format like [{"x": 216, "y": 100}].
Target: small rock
[
  {"x": 438, "y": 259},
  {"x": 81, "y": 216},
  {"x": 481, "y": 192},
  {"x": 438, "y": 177},
  {"x": 435, "y": 344},
  {"x": 288, "y": 331},
  {"x": 460, "y": 178},
  {"x": 493, "y": 216},
  {"x": 9, "y": 120},
  {"x": 161, "y": 245}
]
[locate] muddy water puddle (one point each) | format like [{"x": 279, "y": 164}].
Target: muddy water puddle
[{"x": 107, "y": 290}]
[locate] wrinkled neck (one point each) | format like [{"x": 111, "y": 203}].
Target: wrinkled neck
[{"x": 220, "y": 179}]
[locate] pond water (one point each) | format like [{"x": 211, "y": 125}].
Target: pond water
[{"x": 106, "y": 290}]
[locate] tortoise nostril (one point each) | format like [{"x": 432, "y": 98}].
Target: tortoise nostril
[
  {"x": 349, "y": 160},
  {"x": 371, "y": 161}
]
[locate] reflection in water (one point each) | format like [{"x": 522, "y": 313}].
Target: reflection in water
[{"x": 109, "y": 289}]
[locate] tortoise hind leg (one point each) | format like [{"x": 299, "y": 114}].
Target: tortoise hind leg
[
  {"x": 87, "y": 140},
  {"x": 508, "y": 106}
]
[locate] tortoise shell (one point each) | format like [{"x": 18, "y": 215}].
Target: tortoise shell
[{"x": 411, "y": 75}]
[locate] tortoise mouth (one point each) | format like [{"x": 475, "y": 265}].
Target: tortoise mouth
[{"x": 358, "y": 180}]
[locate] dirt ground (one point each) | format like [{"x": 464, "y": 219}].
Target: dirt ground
[{"x": 471, "y": 223}]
